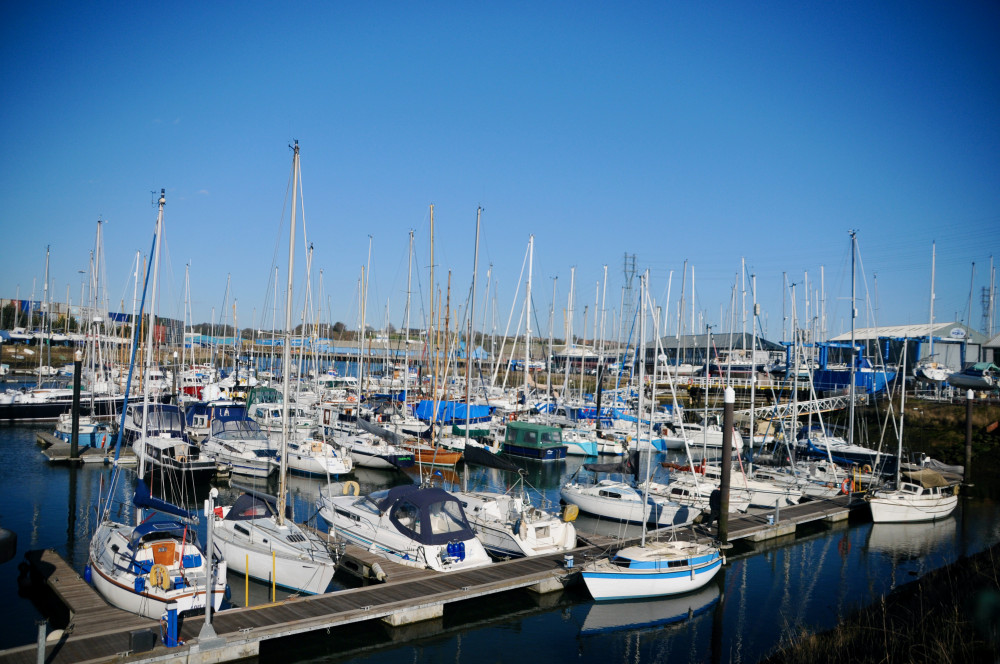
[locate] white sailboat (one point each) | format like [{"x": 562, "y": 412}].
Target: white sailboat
[
  {"x": 255, "y": 533},
  {"x": 925, "y": 495},
  {"x": 156, "y": 564},
  {"x": 651, "y": 569}
]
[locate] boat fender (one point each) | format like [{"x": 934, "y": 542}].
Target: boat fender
[
  {"x": 847, "y": 486},
  {"x": 352, "y": 488},
  {"x": 570, "y": 512},
  {"x": 88, "y": 575},
  {"x": 569, "y": 537},
  {"x": 159, "y": 577},
  {"x": 866, "y": 469}
]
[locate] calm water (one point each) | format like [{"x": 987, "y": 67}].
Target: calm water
[{"x": 763, "y": 594}]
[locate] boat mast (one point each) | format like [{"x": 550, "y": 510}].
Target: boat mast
[
  {"x": 552, "y": 320},
  {"x": 527, "y": 319},
  {"x": 286, "y": 351},
  {"x": 642, "y": 389},
  {"x": 930, "y": 332},
  {"x": 406, "y": 324},
  {"x": 569, "y": 332},
  {"x": 149, "y": 339},
  {"x": 45, "y": 316},
  {"x": 469, "y": 341},
  {"x": 854, "y": 314}
]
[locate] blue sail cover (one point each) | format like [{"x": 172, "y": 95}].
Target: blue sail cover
[
  {"x": 144, "y": 499},
  {"x": 452, "y": 412}
]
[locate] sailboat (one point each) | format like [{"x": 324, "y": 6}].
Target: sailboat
[
  {"x": 925, "y": 495},
  {"x": 651, "y": 569},
  {"x": 156, "y": 564},
  {"x": 255, "y": 533},
  {"x": 929, "y": 369}
]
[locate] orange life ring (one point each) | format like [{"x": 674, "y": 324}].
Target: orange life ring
[
  {"x": 847, "y": 486},
  {"x": 690, "y": 382},
  {"x": 352, "y": 399}
]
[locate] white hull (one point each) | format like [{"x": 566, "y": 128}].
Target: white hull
[
  {"x": 898, "y": 507},
  {"x": 507, "y": 527},
  {"x": 656, "y": 570},
  {"x": 308, "y": 570},
  {"x": 132, "y": 591},
  {"x": 622, "y": 502}
]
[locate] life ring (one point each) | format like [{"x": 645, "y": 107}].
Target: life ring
[
  {"x": 159, "y": 577},
  {"x": 351, "y": 488},
  {"x": 690, "y": 382},
  {"x": 351, "y": 399},
  {"x": 847, "y": 486},
  {"x": 866, "y": 469}
]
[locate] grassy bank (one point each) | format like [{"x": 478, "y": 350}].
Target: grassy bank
[{"x": 951, "y": 615}]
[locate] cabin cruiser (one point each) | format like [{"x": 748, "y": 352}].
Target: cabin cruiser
[{"x": 417, "y": 526}]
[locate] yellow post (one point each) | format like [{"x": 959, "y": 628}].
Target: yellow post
[
  {"x": 273, "y": 573},
  {"x": 246, "y": 584}
]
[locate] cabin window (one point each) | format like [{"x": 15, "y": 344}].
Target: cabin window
[
  {"x": 677, "y": 563},
  {"x": 608, "y": 494},
  {"x": 242, "y": 530},
  {"x": 446, "y": 517},
  {"x": 530, "y": 437}
]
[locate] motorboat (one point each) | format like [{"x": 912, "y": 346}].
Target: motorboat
[
  {"x": 422, "y": 527},
  {"x": 243, "y": 446},
  {"x": 509, "y": 526}
]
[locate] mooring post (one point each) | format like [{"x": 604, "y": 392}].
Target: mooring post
[
  {"x": 727, "y": 463},
  {"x": 969, "y": 396},
  {"x": 74, "y": 437},
  {"x": 207, "y": 636},
  {"x": 42, "y": 629}
]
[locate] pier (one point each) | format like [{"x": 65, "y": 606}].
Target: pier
[
  {"x": 97, "y": 632},
  {"x": 57, "y": 450}
]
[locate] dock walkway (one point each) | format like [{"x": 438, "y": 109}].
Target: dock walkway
[{"x": 101, "y": 633}]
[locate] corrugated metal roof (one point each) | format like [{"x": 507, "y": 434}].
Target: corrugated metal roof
[{"x": 915, "y": 331}]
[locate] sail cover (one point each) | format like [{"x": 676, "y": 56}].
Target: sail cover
[{"x": 144, "y": 499}]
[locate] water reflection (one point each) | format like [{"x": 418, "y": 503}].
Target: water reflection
[{"x": 645, "y": 614}]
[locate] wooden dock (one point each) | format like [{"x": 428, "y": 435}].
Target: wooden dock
[
  {"x": 98, "y": 632},
  {"x": 57, "y": 450}
]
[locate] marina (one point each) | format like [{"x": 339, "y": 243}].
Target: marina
[{"x": 412, "y": 603}]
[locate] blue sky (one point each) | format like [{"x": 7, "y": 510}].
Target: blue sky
[{"x": 706, "y": 132}]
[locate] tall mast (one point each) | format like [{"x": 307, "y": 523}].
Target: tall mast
[
  {"x": 149, "y": 331},
  {"x": 930, "y": 332},
  {"x": 286, "y": 351},
  {"x": 527, "y": 319},
  {"x": 569, "y": 331},
  {"x": 406, "y": 324},
  {"x": 854, "y": 314},
  {"x": 45, "y": 315},
  {"x": 552, "y": 320},
  {"x": 470, "y": 339}
]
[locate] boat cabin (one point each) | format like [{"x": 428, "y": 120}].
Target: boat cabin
[{"x": 534, "y": 441}]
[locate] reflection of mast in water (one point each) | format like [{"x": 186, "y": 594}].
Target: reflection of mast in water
[
  {"x": 71, "y": 515},
  {"x": 718, "y": 615}
]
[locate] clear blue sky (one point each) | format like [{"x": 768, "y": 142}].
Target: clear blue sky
[{"x": 706, "y": 132}]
